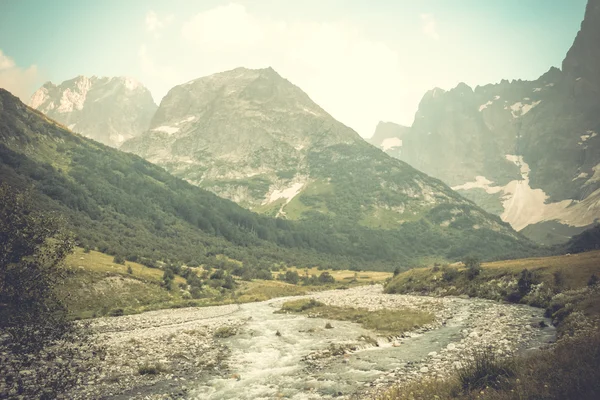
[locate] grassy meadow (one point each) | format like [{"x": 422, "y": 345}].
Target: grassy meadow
[{"x": 99, "y": 286}]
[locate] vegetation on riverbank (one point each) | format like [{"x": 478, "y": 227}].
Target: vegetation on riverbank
[
  {"x": 386, "y": 322},
  {"x": 100, "y": 285},
  {"x": 567, "y": 286}
]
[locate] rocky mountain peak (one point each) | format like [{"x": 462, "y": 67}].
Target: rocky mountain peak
[
  {"x": 528, "y": 151},
  {"x": 583, "y": 58},
  {"x": 107, "y": 109}
]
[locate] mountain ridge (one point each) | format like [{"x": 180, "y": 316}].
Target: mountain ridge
[{"x": 526, "y": 150}]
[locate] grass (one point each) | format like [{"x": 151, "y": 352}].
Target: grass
[
  {"x": 345, "y": 275},
  {"x": 102, "y": 263},
  {"x": 574, "y": 271},
  {"x": 225, "y": 332},
  {"x": 387, "y": 322},
  {"x": 258, "y": 290},
  {"x": 98, "y": 287}
]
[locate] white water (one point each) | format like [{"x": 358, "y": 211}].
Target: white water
[{"x": 264, "y": 365}]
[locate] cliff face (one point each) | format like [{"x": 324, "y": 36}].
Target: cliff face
[{"x": 526, "y": 150}]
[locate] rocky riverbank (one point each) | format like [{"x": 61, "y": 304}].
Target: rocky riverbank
[{"x": 169, "y": 353}]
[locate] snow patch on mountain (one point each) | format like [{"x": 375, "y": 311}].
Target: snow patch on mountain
[
  {"x": 169, "y": 130},
  {"x": 481, "y": 182},
  {"x": 287, "y": 193},
  {"x": 596, "y": 177},
  {"x": 484, "y": 106},
  {"x": 524, "y": 205},
  {"x": 188, "y": 119},
  {"x": 519, "y": 109},
  {"x": 390, "y": 143}
]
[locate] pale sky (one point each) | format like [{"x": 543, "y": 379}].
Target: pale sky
[{"x": 361, "y": 60}]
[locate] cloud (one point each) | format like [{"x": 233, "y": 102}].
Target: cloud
[
  {"x": 429, "y": 27},
  {"x": 20, "y": 82},
  {"x": 356, "y": 79},
  {"x": 155, "y": 24}
]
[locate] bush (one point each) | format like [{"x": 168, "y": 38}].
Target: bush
[
  {"x": 119, "y": 259},
  {"x": 168, "y": 277},
  {"x": 525, "y": 282},
  {"x": 593, "y": 281},
  {"x": 129, "y": 270},
  {"x": 485, "y": 371},
  {"x": 290, "y": 277},
  {"x": 449, "y": 274},
  {"x": 326, "y": 278},
  {"x": 473, "y": 267}
]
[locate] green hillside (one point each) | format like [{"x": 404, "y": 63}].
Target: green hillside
[{"x": 121, "y": 204}]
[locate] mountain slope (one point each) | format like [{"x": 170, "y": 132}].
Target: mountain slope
[
  {"x": 122, "y": 204},
  {"x": 255, "y": 138},
  {"x": 109, "y": 110},
  {"x": 526, "y": 150}
]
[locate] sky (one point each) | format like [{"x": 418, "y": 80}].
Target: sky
[{"x": 363, "y": 61}]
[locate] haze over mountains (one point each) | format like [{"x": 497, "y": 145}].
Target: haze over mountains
[
  {"x": 109, "y": 110},
  {"x": 526, "y": 150}
]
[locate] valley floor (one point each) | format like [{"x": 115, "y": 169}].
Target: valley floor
[{"x": 249, "y": 352}]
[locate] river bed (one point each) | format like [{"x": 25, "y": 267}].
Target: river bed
[{"x": 295, "y": 357}]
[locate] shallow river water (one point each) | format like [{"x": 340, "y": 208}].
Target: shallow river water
[{"x": 267, "y": 365}]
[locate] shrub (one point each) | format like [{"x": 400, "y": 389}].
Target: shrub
[
  {"x": 326, "y": 278},
  {"x": 485, "y": 371},
  {"x": 559, "y": 279},
  {"x": 119, "y": 259},
  {"x": 593, "y": 281},
  {"x": 473, "y": 267},
  {"x": 264, "y": 274},
  {"x": 449, "y": 274},
  {"x": 291, "y": 277},
  {"x": 129, "y": 270},
  {"x": 168, "y": 277},
  {"x": 525, "y": 282}
]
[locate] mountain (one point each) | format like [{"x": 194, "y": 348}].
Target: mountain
[
  {"x": 388, "y": 137},
  {"x": 526, "y": 150},
  {"x": 255, "y": 138},
  {"x": 122, "y": 204},
  {"x": 108, "y": 110}
]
